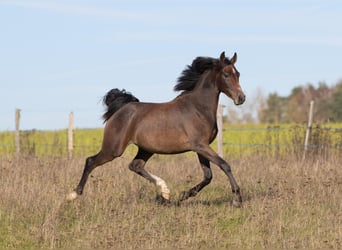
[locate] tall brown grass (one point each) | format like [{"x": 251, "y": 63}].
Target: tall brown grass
[{"x": 287, "y": 204}]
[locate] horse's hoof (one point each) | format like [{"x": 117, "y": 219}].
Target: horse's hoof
[
  {"x": 236, "y": 203},
  {"x": 161, "y": 200},
  {"x": 183, "y": 196},
  {"x": 166, "y": 196},
  {"x": 72, "y": 196}
]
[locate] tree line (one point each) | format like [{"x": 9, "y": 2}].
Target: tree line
[{"x": 294, "y": 108}]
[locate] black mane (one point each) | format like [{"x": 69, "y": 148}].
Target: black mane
[{"x": 192, "y": 73}]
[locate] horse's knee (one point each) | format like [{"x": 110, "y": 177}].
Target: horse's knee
[
  {"x": 100, "y": 159},
  {"x": 135, "y": 166},
  {"x": 89, "y": 164},
  {"x": 97, "y": 160},
  {"x": 90, "y": 161},
  {"x": 207, "y": 180},
  {"x": 208, "y": 175},
  {"x": 132, "y": 167}
]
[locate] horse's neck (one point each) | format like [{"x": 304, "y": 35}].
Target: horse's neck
[{"x": 206, "y": 97}]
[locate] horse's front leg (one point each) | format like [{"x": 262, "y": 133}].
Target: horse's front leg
[
  {"x": 210, "y": 154},
  {"x": 205, "y": 164}
]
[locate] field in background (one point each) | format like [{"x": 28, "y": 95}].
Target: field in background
[
  {"x": 282, "y": 139},
  {"x": 239, "y": 140},
  {"x": 287, "y": 204},
  {"x": 51, "y": 143}
]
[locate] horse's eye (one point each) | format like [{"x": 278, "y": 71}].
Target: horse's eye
[{"x": 225, "y": 75}]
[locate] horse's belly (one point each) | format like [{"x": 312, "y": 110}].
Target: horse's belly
[{"x": 163, "y": 141}]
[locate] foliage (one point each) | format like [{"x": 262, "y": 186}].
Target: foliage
[
  {"x": 294, "y": 108},
  {"x": 275, "y": 111},
  {"x": 336, "y": 104}
]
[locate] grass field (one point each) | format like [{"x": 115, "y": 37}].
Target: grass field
[{"x": 287, "y": 204}]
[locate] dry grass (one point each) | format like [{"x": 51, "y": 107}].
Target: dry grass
[{"x": 287, "y": 204}]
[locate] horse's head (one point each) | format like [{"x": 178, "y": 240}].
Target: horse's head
[{"x": 228, "y": 79}]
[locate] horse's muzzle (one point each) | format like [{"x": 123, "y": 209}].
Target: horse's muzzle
[{"x": 240, "y": 99}]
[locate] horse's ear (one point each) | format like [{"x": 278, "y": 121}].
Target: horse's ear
[
  {"x": 222, "y": 57},
  {"x": 234, "y": 59}
]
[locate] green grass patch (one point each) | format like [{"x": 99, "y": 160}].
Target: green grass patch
[{"x": 239, "y": 140}]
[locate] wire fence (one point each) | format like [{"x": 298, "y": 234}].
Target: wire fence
[
  {"x": 238, "y": 140},
  {"x": 280, "y": 140}
]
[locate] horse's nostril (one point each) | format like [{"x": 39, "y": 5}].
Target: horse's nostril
[{"x": 242, "y": 99}]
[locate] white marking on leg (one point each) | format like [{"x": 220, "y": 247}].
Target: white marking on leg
[
  {"x": 162, "y": 184},
  {"x": 72, "y": 196}
]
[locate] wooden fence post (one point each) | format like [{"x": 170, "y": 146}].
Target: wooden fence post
[
  {"x": 308, "y": 129},
  {"x": 220, "y": 130},
  {"x": 17, "y": 131},
  {"x": 71, "y": 135}
]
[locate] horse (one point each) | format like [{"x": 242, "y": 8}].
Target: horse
[{"x": 186, "y": 123}]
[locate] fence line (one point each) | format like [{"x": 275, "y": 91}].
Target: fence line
[
  {"x": 8, "y": 145},
  {"x": 71, "y": 135},
  {"x": 17, "y": 131},
  {"x": 272, "y": 137},
  {"x": 275, "y": 128},
  {"x": 268, "y": 139},
  {"x": 277, "y": 145}
]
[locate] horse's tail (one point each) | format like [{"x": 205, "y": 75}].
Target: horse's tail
[{"x": 115, "y": 99}]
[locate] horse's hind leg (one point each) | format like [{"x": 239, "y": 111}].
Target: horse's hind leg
[
  {"x": 205, "y": 164},
  {"x": 137, "y": 166},
  {"x": 91, "y": 163}
]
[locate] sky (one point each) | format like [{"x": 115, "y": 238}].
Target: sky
[{"x": 58, "y": 57}]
